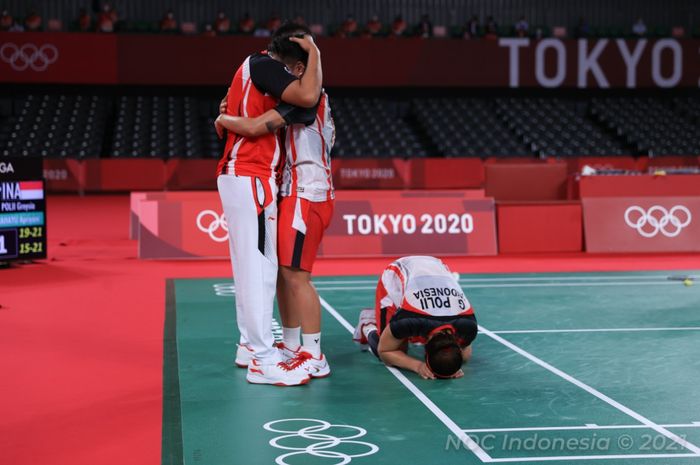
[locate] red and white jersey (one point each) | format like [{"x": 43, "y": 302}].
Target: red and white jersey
[
  {"x": 307, "y": 171},
  {"x": 259, "y": 156},
  {"x": 423, "y": 285}
]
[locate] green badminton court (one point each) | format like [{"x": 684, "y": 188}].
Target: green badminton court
[{"x": 591, "y": 368}]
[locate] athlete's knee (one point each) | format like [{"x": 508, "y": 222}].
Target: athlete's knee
[{"x": 295, "y": 279}]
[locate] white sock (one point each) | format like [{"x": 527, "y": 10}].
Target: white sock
[
  {"x": 290, "y": 337},
  {"x": 368, "y": 328},
  {"x": 312, "y": 344}
]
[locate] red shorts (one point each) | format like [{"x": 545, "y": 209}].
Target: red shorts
[{"x": 300, "y": 230}]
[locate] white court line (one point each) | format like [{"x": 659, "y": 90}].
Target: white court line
[
  {"x": 566, "y": 458},
  {"x": 594, "y": 330},
  {"x": 594, "y": 392},
  {"x": 593, "y": 427},
  {"x": 474, "y": 286},
  {"x": 522, "y": 278},
  {"x": 447, "y": 421},
  {"x": 576, "y": 278},
  {"x": 575, "y": 284}
]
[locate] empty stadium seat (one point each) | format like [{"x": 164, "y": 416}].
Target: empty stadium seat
[
  {"x": 165, "y": 126},
  {"x": 55, "y": 125}
]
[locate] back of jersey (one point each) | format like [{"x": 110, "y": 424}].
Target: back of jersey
[{"x": 429, "y": 288}]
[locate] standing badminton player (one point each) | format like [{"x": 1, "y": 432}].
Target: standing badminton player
[{"x": 248, "y": 190}]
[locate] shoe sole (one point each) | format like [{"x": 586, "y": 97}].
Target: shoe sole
[
  {"x": 240, "y": 365},
  {"x": 281, "y": 384},
  {"x": 321, "y": 376}
]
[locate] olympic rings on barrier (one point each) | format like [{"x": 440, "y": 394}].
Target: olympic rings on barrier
[
  {"x": 657, "y": 220},
  {"x": 212, "y": 227},
  {"x": 27, "y": 56}
]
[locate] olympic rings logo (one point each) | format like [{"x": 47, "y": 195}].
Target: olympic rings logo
[
  {"x": 28, "y": 56},
  {"x": 325, "y": 442},
  {"x": 657, "y": 220},
  {"x": 212, "y": 226}
]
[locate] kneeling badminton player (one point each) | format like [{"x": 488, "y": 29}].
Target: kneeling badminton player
[{"x": 419, "y": 300}]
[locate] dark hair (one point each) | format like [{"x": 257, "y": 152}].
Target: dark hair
[
  {"x": 443, "y": 355},
  {"x": 285, "y": 49}
]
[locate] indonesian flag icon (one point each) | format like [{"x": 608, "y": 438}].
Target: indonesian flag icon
[{"x": 31, "y": 190}]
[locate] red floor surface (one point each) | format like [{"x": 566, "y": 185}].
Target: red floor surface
[{"x": 81, "y": 333}]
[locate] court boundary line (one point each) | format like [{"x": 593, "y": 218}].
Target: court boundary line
[
  {"x": 594, "y": 330},
  {"x": 517, "y": 285},
  {"x": 663, "y": 277},
  {"x": 565, "y": 458},
  {"x": 591, "y": 390},
  {"x": 586, "y": 427},
  {"x": 464, "y": 438}
]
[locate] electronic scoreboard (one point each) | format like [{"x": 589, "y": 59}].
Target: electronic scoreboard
[{"x": 22, "y": 209}]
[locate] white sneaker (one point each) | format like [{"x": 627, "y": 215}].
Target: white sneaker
[
  {"x": 367, "y": 317},
  {"x": 316, "y": 367},
  {"x": 277, "y": 373},
  {"x": 286, "y": 352},
  {"x": 244, "y": 354}
]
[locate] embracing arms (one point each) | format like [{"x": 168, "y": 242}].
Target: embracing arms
[{"x": 270, "y": 121}]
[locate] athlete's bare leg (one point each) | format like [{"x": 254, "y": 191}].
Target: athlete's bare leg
[
  {"x": 298, "y": 300},
  {"x": 285, "y": 304}
]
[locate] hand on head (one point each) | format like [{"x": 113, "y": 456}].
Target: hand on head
[{"x": 306, "y": 42}]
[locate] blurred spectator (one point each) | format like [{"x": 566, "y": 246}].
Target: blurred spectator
[
  {"x": 398, "y": 27},
  {"x": 522, "y": 27},
  {"x": 33, "y": 21},
  {"x": 491, "y": 28},
  {"x": 222, "y": 25},
  {"x": 112, "y": 12},
  {"x": 639, "y": 28},
  {"x": 5, "y": 21},
  {"x": 208, "y": 31},
  {"x": 246, "y": 25},
  {"x": 84, "y": 20},
  {"x": 471, "y": 30},
  {"x": 365, "y": 34},
  {"x": 374, "y": 26},
  {"x": 106, "y": 19},
  {"x": 348, "y": 28},
  {"x": 581, "y": 30},
  {"x": 274, "y": 23},
  {"x": 168, "y": 23},
  {"x": 425, "y": 27},
  {"x": 299, "y": 19}
]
